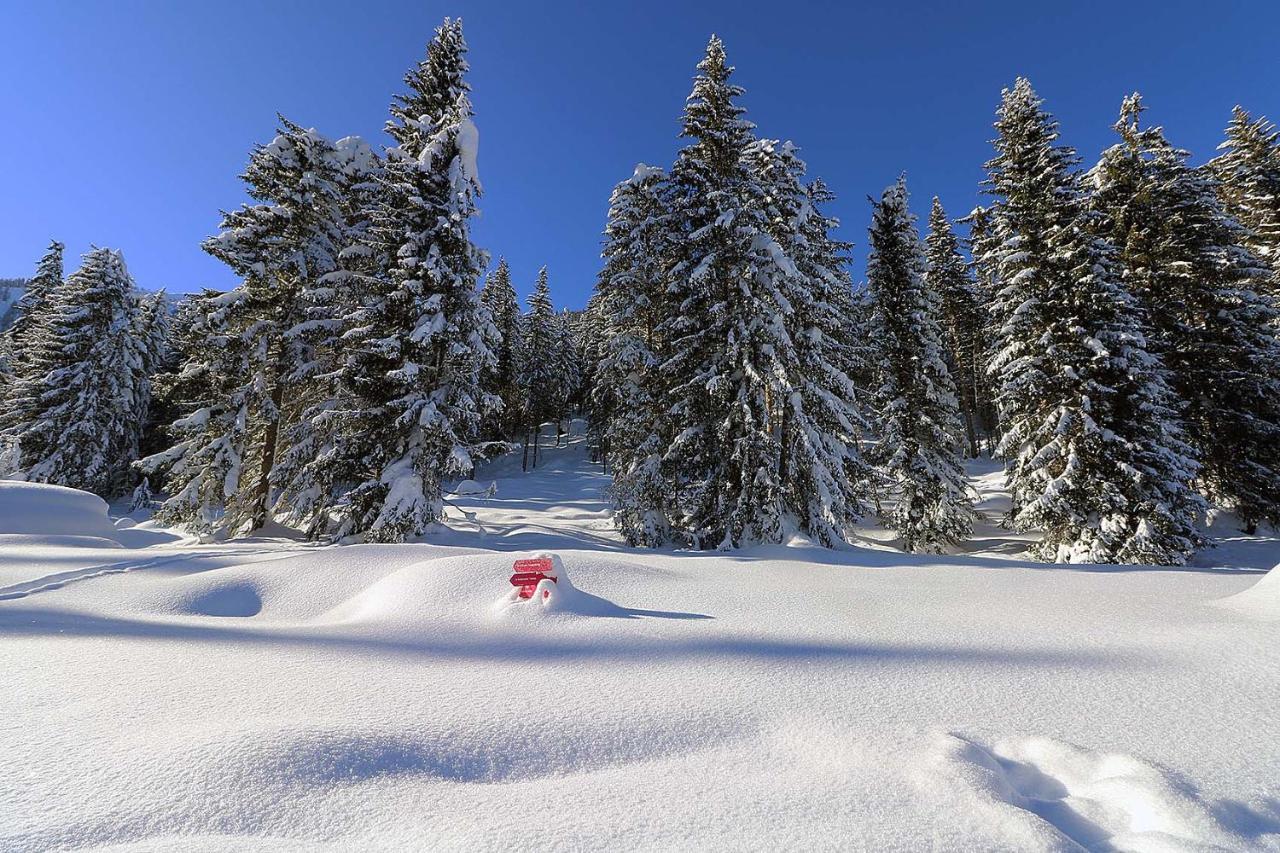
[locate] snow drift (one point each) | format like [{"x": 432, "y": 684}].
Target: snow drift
[{"x": 1262, "y": 600}]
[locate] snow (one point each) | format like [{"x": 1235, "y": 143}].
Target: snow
[
  {"x": 275, "y": 695},
  {"x": 469, "y": 149},
  {"x": 1261, "y": 600}
]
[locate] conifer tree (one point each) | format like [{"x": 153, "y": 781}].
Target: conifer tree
[
  {"x": 30, "y": 310},
  {"x": 417, "y": 344},
  {"x": 202, "y": 469},
  {"x": 627, "y": 398},
  {"x": 1095, "y": 456},
  {"x": 746, "y": 461},
  {"x": 1185, "y": 259},
  {"x": 541, "y": 376},
  {"x": 963, "y": 321},
  {"x": 502, "y": 379},
  {"x": 147, "y": 339},
  {"x": 1248, "y": 173},
  {"x": 725, "y": 450},
  {"x": 817, "y": 406},
  {"x": 71, "y": 413},
  {"x": 918, "y": 413},
  {"x": 284, "y": 246},
  {"x": 312, "y": 473}
]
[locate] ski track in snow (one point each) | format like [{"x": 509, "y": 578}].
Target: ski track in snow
[
  {"x": 58, "y": 580},
  {"x": 274, "y": 695}
]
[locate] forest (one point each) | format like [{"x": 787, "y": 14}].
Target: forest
[{"x": 1109, "y": 331}]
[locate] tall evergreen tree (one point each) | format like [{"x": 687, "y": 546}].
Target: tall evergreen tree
[
  {"x": 540, "y": 372},
  {"x": 31, "y": 309},
  {"x": 284, "y": 246},
  {"x": 1095, "y": 456},
  {"x": 917, "y": 409},
  {"x": 72, "y": 414},
  {"x": 312, "y": 474},
  {"x": 817, "y": 403},
  {"x": 201, "y": 470},
  {"x": 1248, "y": 173},
  {"x": 963, "y": 321},
  {"x": 1185, "y": 259},
  {"x": 724, "y": 449},
  {"x": 417, "y": 344},
  {"x": 502, "y": 379},
  {"x": 627, "y": 398},
  {"x": 746, "y": 460}
]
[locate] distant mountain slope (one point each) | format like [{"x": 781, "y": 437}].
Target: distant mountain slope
[{"x": 10, "y": 292}]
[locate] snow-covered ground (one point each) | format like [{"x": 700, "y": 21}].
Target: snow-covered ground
[{"x": 269, "y": 694}]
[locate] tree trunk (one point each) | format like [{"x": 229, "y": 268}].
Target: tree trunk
[{"x": 270, "y": 437}]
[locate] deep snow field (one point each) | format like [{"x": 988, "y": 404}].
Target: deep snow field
[{"x": 157, "y": 694}]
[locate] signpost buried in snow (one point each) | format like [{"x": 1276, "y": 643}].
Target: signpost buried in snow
[{"x": 527, "y": 574}]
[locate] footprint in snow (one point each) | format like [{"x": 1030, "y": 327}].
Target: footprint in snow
[{"x": 1094, "y": 800}]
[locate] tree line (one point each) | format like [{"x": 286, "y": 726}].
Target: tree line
[{"x": 1111, "y": 333}]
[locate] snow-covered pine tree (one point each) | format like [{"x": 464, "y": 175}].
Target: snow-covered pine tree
[
  {"x": 29, "y": 311},
  {"x": 746, "y": 462},
  {"x": 147, "y": 340},
  {"x": 1185, "y": 260},
  {"x": 817, "y": 405},
  {"x": 72, "y": 415},
  {"x": 502, "y": 379},
  {"x": 541, "y": 376},
  {"x": 313, "y": 473},
  {"x": 724, "y": 341},
  {"x": 283, "y": 247},
  {"x": 1248, "y": 173},
  {"x": 1094, "y": 451},
  {"x": 202, "y": 470},
  {"x": 918, "y": 413},
  {"x": 418, "y": 343},
  {"x": 568, "y": 354},
  {"x": 628, "y": 394},
  {"x": 964, "y": 322}
]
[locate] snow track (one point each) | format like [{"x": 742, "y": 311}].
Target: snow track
[{"x": 58, "y": 580}]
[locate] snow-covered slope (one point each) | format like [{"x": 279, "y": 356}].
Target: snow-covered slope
[{"x": 274, "y": 695}]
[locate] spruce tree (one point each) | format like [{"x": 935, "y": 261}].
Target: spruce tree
[
  {"x": 918, "y": 413},
  {"x": 418, "y": 342},
  {"x": 1094, "y": 451},
  {"x": 502, "y": 378},
  {"x": 284, "y": 247},
  {"x": 817, "y": 405},
  {"x": 630, "y": 304},
  {"x": 540, "y": 372},
  {"x": 313, "y": 474},
  {"x": 1186, "y": 261},
  {"x": 1248, "y": 173},
  {"x": 746, "y": 461},
  {"x": 964, "y": 322},
  {"x": 72, "y": 414},
  {"x": 201, "y": 471},
  {"x": 30, "y": 310}
]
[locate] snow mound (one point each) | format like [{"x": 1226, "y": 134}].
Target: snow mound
[
  {"x": 41, "y": 510},
  {"x": 556, "y": 597},
  {"x": 1057, "y": 792},
  {"x": 471, "y": 487},
  {"x": 1262, "y": 600}
]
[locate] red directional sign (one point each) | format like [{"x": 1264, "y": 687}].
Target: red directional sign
[{"x": 527, "y": 574}]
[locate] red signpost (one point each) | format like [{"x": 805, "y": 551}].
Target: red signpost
[{"x": 527, "y": 574}]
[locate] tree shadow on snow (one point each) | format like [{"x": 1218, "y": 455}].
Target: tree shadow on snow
[{"x": 531, "y": 647}]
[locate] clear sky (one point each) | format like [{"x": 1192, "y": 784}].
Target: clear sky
[{"x": 126, "y": 123}]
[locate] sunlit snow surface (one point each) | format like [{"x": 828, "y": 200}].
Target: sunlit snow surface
[{"x": 268, "y": 694}]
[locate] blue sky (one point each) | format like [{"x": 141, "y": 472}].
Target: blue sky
[{"x": 126, "y": 123}]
